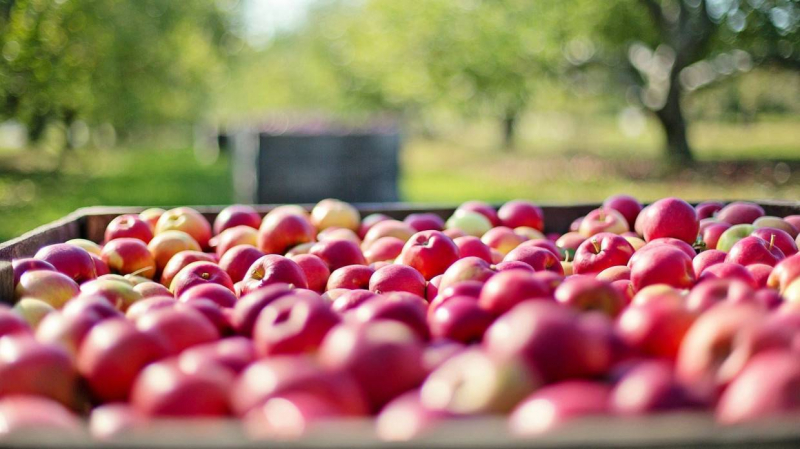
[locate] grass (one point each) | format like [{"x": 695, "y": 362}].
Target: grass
[{"x": 557, "y": 160}]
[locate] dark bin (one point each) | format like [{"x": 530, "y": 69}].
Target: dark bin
[{"x": 307, "y": 167}]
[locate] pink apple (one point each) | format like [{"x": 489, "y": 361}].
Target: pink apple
[
  {"x": 187, "y": 220},
  {"x": 726, "y": 270},
  {"x": 615, "y": 273},
  {"x": 168, "y": 244},
  {"x": 776, "y": 223},
  {"x": 778, "y": 238},
  {"x": 150, "y": 289},
  {"x": 425, "y": 221},
  {"x": 460, "y": 318},
  {"x": 237, "y": 235},
  {"x": 115, "y": 420},
  {"x": 338, "y": 253},
  {"x": 570, "y": 242},
  {"x": 586, "y": 294},
  {"x": 663, "y": 265},
  {"x": 650, "y": 386},
  {"x": 601, "y": 251},
  {"x": 403, "y": 307},
  {"x": 784, "y": 273},
  {"x": 216, "y": 293},
  {"x": 516, "y": 213},
  {"x": 417, "y": 419},
  {"x": 539, "y": 259},
  {"x": 351, "y": 277},
  {"x": 369, "y": 221},
  {"x": 22, "y": 266},
  {"x": 553, "y": 405},
  {"x": 51, "y": 287},
  {"x": 712, "y": 292},
  {"x": 151, "y": 216},
  {"x": 708, "y": 209},
  {"x": 162, "y": 389},
  {"x": 71, "y": 260},
  {"x": 350, "y": 300},
  {"x": 315, "y": 269},
  {"x": 750, "y": 250},
  {"x": 740, "y": 212},
  {"x": 429, "y": 252},
  {"x": 232, "y": 353},
  {"x": 484, "y": 209},
  {"x": 246, "y": 310},
  {"x": 236, "y": 215},
  {"x": 280, "y": 232},
  {"x": 28, "y": 415},
  {"x": 289, "y": 417},
  {"x": 65, "y": 331},
  {"x": 670, "y": 217},
  {"x": 29, "y": 367},
  {"x": 706, "y": 259},
  {"x": 711, "y": 234},
  {"x": 131, "y": 226},
  {"x": 179, "y": 261},
  {"x": 11, "y": 323},
  {"x": 197, "y": 273},
  {"x": 129, "y": 256},
  {"x": 397, "y": 278},
  {"x": 604, "y": 219},
  {"x": 239, "y": 259},
  {"x": 502, "y": 239},
  {"x": 384, "y": 249},
  {"x": 468, "y": 268},
  {"x": 626, "y": 205},
  {"x": 273, "y": 269},
  {"x": 388, "y": 228},
  {"x": 177, "y": 328},
  {"x": 655, "y": 328},
  {"x": 291, "y": 325},
  {"x": 518, "y": 265},
  {"x": 760, "y": 273},
  {"x": 506, "y": 289}
]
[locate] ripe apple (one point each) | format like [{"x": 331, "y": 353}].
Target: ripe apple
[
  {"x": 280, "y": 232},
  {"x": 670, "y": 217},
  {"x": 777, "y": 237},
  {"x": 151, "y": 216},
  {"x": 197, "y": 273},
  {"x": 338, "y": 253},
  {"x": 388, "y": 228},
  {"x": 750, "y": 250},
  {"x": 793, "y": 220},
  {"x": 470, "y": 246},
  {"x": 100, "y": 267},
  {"x": 351, "y": 299},
  {"x": 302, "y": 248},
  {"x": 239, "y": 259},
  {"x": 187, "y": 220},
  {"x": 169, "y": 243},
  {"x": 471, "y": 223},
  {"x": 587, "y": 294},
  {"x": 532, "y": 234},
  {"x": 237, "y": 235},
  {"x": 601, "y": 251},
  {"x": 403, "y": 307},
  {"x": 466, "y": 269},
  {"x": 397, "y": 278},
  {"x": 150, "y": 289},
  {"x": 51, "y": 287},
  {"x": 663, "y": 265},
  {"x": 506, "y": 289},
  {"x": 71, "y": 260},
  {"x": 784, "y": 273},
  {"x": 429, "y": 252},
  {"x": 424, "y": 222},
  {"x": 760, "y": 273},
  {"x": 162, "y": 389},
  {"x": 130, "y": 226},
  {"x": 708, "y": 209},
  {"x": 65, "y": 331},
  {"x": 539, "y": 259},
  {"x": 553, "y": 405},
  {"x": 502, "y": 239},
  {"x": 727, "y": 270},
  {"x": 650, "y": 386},
  {"x": 484, "y": 209},
  {"x": 291, "y": 325},
  {"x": 248, "y": 307},
  {"x": 111, "y": 356},
  {"x": 351, "y": 277},
  {"x": 369, "y": 221},
  {"x": 29, "y": 367},
  {"x": 315, "y": 269},
  {"x": 626, "y": 205},
  {"x": 655, "y": 328},
  {"x": 32, "y": 310},
  {"x": 180, "y": 261},
  {"x": 460, "y": 318},
  {"x": 604, "y": 219},
  {"x": 236, "y": 215},
  {"x": 569, "y": 243},
  {"x": 712, "y": 292},
  {"x": 216, "y": 293},
  {"x": 706, "y": 259},
  {"x": 127, "y": 255},
  {"x": 147, "y": 305},
  {"x": 740, "y": 212},
  {"x": 379, "y": 346},
  {"x": 272, "y": 269},
  {"x": 331, "y": 212},
  {"x": 232, "y": 353},
  {"x": 777, "y": 223},
  {"x": 27, "y": 415},
  {"x": 615, "y": 273},
  {"x": 732, "y": 235},
  {"x": 711, "y": 234},
  {"x": 516, "y": 213},
  {"x": 384, "y": 249},
  {"x": 22, "y": 266},
  {"x": 178, "y": 329},
  {"x": 660, "y": 293}
]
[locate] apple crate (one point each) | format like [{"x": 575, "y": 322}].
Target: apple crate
[{"x": 669, "y": 430}]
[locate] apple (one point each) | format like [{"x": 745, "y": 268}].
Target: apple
[
  {"x": 587, "y": 294},
  {"x": 484, "y": 209},
  {"x": 338, "y": 253},
  {"x": 533, "y": 234},
  {"x": 388, "y": 228},
  {"x": 29, "y": 367},
  {"x": 472, "y": 382},
  {"x": 660, "y": 293},
  {"x": 570, "y": 242},
  {"x": 403, "y": 307},
  {"x": 549, "y": 338},
  {"x": 615, "y": 273},
  {"x": 180, "y": 261},
  {"x": 291, "y": 325},
  {"x": 791, "y": 293},
  {"x": 730, "y": 236},
  {"x": 51, "y": 287},
  {"x": 11, "y": 323},
  {"x": 502, "y": 239},
  {"x": 760, "y": 273},
  {"x": 65, "y": 331},
  {"x": 351, "y": 277},
  {"x": 111, "y": 356},
  {"x": 655, "y": 328},
  {"x": 626, "y": 205},
  {"x": 663, "y": 265},
  {"x": 397, "y": 278},
  {"x": 778, "y": 238},
  {"x": 162, "y": 389},
  {"x": 338, "y": 234},
  {"x": 516, "y": 213},
  {"x": 363, "y": 349},
  {"x": 351, "y": 299},
  {"x": 90, "y": 246},
  {"x": 604, "y": 219},
  {"x": 670, "y": 217},
  {"x": 784, "y": 273},
  {"x": 766, "y": 388},
  {"x": 470, "y": 223},
  {"x": 466, "y": 269},
  {"x": 237, "y": 235},
  {"x": 750, "y": 250},
  {"x": 281, "y": 232},
  {"x": 236, "y": 215},
  {"x": 273, "y": 269},
  {"x": 625, "y": 288},
  {"x": 315, "y": 269},
  {"x": 330, "y": 212},
  {"x": 506, "y": 289},
  {"x": 425, "y": 221},
  {"x": 601, "y": 251},
  {"x": 740, "y": 212},
  {"x": 32, "y": 310},
  {"x": 712, "y": 234},
  {"x": 92, "y": 306},
  {"x": 127, "y": 255},
  {"x": 246, "y": 310},
  {"x": 539, "y": 259},
  {"x": 129, "y": 226},
  {"x": 177, "y": 328},
  {"x": 384, "y": 249},
  {"x": 727, "y": 270},
  {"x": 216, "y": 293},
  {"x": 706, "y": 259},
  {"x": 554, "y": 405},
  {"x": 369, "y": 221},
  {"x": 708, "y": 209},
  {"x": 233, "y": 354},
  {"x": 71, "y": 260},
  {"x": 650, "y": 386},
  {"x": 302, "y": 248},
  {"x": 776, "y": 223},
  {"x": 295, "y": 374},
  {"x": 100, "y": 267},
  {"x": 237, "y": 260},
  {"x": 408, "y": 409},
  {"x": 460, "y": 318},
  {"x": 793, "y": 220},
  {"x": 147, "y": 305},
  {"x": 150, "y": 289},
  {"x": 167, "y": 244},
  {"x": 187, "y": 220},
  {"x": 201, "y": 272},
  {"x": 712, "y": 292},
  {"x": 429, "y": 252},
  {"x": 27, "y": 415},
  {"x": 22, "y": 266},
  {"x": 151, "y": 216}
]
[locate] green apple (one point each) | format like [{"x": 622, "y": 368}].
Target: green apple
[
  {"x": 471, "y": 223},
  {"x": 733, "y": 235}
]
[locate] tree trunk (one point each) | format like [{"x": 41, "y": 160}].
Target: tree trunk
[
  {"x": 677, "y": 149},
  {"x": 509, "y": 129}
]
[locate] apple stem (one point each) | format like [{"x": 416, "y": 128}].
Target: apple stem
[
  {"x": 771, "y": 241},
  {"x": 566, "y": 256},
  {"x": 602, "y": 215},
  {"x": 596, "y": 245}
]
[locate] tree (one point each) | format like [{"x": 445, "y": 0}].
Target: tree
[{"x": 672, "y": 47}]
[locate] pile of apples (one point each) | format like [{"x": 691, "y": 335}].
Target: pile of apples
[{"x": 301, "y": 318}]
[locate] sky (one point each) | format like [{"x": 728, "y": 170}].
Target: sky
[{"x": 262, "y": 18}]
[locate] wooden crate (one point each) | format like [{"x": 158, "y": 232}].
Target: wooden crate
[{"x": 675, "y": 430}]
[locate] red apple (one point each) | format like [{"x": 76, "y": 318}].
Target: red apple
[
  {"x": 236, "y": 215},
  {"x": 281, "y": 232},
  {"x": 740, "y": 212},
  {"x": 518, "y": 265},
  {"x": 518, "y": 213},
  {"x": 350, "y": 300},
  {"x": 403, "y": 307},
  {"x": 379, "y": 346},
  {"x": 334, "y": 213},
  {"x": 162, "y": 389},
  {"x": 29, "y": 367},
  {"x": 351, "y": 277},
  {"x": 71, "y": 260},
  {"x": 197, "y": 273},
  {"x": 626, "y": 205},
  {"x": 429, "y": 252},
  {"x": 216, "y": 293},
  {"x": 369, "y": 221},
  {"x": 502, "y": 239},
  {"x": 601, "y": 251},
  {"x": 291, "y": 325},
  {"x": 663, "y": 265},
  {"x": 169, "y": 243},
  {"x": 338, "y": 253},
  {"x": 750, "y": 250},
  {"x": 707, "y": 209},
  {"x": 781, "y": 239},
  {"x": 424, "y": 222},
  {"x": 239, "y": 259},
  {"x": 657, "y": 243},
  {"x": 65, "y": 331},
  {"x": 187, "y": 220},
  {"x": 273, "y": 269},
  {"x": 466, "y": 269},
  {"x": 51, "y": 287},
  {"x": 655, "y": 328},
  {"x": 539, "y": 259},
  {"x": 178, "y": 329},
  {"x": 793, "y": 220},
  {"x": 111, "y": 356},
  {"x": 237, "y": 235},
  {"x": 760, "y": 273},
  {"x": 712, "y": 292},
  {"x": 180, "y": 261},
  {"x": 130, "y": 226},
  {"x": 397, "y": 278},
  {"x": 22, "y": 266},
  {"x": 570, "y": 242},
  {"x": 615, "y": 273},
  {"x": 670, "y": 217},
  {"x": 506, "y": 289},
  {"x": 604, "y": 219},
  {"x": 315, "y": 269},
  {"x": 706, "y": 259},
  {"x": 151, "y": 216},
  {"x": 650, "y": 386},
  {"x": 233, "y": 354},
  {"x": 91, "y": 306},
  {"x": 384, "y": 249},
  {"x": 246, "y": 310},
  {"x": 460, "y": 318},
  {"x": 129, "y": 256},
  {"x": 150, "y": 289},
  {"x": 388, "y": 228},
  {"x": 553, "y": 405},
  {"x": 727, "y": 270},
  {"x": 588, "y": 294},
  {"x": 784, "y": 273},
  {"x": 29, "y": 415},
  {"x": 625, "y": 288},
  {"x": 484, "y": 209}
]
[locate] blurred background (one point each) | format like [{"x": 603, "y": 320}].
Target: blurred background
[{"x": 153, "y": 102}]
